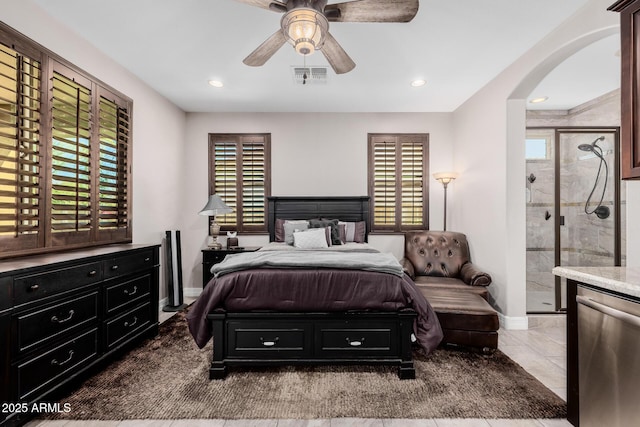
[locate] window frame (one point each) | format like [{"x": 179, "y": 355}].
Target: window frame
[
  {"x": 239, "y": 139},
  {"x": 398, "y": 139},
  {"x": 43, "y": 239}
]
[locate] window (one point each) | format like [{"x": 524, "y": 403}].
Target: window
[
  {"x": 64, "y": 181},
  {"x": 538, "y": 144},
  {"x": 398, "y": 188},
  {"x": 240, "y": 173}
]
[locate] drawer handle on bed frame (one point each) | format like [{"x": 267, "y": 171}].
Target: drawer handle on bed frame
[
  {"x": 269, "y": 343},
  {"x": 355, "y": 343}
]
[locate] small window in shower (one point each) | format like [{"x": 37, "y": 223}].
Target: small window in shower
[{"x": 538, "y": 148}]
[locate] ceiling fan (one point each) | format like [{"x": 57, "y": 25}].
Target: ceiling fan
[{"x": 305, "y": 24}]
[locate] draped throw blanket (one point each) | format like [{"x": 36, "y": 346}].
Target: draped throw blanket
[{"x": 367, "y": 261}]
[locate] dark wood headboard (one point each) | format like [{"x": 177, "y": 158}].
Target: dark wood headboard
[{"x": 344, "y": 208}]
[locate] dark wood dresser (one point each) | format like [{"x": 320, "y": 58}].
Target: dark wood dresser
[{"x": 64, "y": 314}]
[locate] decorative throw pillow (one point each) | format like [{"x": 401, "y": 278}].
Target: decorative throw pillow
[
  {"x": 291, "y": 226},
  {"x": 314, "y": 238},
  {"x": 352, "y": 231},
  {"x": 333, "y": 223},
  {"x": 279, "y": 230}
]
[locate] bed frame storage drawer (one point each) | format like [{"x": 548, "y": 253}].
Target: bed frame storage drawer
[
  {"x": 38, "y": 372},
  {"x": 37, "y": 286},
  {"x": 49, "y": 323},
  {"x": 353, "y": 340},
  {"x": 280, "y": 340}
]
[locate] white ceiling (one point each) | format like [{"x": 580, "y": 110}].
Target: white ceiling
[{"x": 457, "y": 46}]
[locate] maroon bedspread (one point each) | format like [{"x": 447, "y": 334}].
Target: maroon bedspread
[{"x": 300, "y": 290}]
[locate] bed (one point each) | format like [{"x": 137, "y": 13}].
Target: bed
[{"x": 284, "y": 308}]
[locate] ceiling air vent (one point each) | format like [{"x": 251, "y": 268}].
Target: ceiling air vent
[{"x": 315, "y": 75}]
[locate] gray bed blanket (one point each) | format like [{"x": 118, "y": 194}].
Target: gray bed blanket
[{"x": 377, "y": 261}]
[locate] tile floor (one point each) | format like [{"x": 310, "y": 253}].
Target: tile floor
[{"x": 540, "y": 350}]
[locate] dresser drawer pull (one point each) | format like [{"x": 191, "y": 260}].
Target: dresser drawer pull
[
  {"x": 55, "y": 362},
  {"x": 131, "y": 292},
  {"x": 147, "y": 259},
  {"x": 355, "y": 343},
  {"x": 114, "y": 267},
  {"x": 269, "y": 343},
  {"x": 55, "y": 319},
  {"x": 34, "y": 287},
  {"x": 130, "y": 325},
  {"x": 93, "y": 273}
]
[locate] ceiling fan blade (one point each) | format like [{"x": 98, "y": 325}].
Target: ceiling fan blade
[
  {"x": 275, "y": 5},
  {"x": 266, "y": 50},
  {"x": 372, "y": 11},
  {"x": 337, "y": 57}
]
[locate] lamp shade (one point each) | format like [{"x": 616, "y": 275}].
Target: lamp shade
[
  {"x": 445, "y": 177},
  {"x": 215, "y": 206}
]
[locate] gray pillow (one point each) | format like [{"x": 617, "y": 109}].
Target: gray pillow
[
  {"x": 333, "y": 223},
  {"x": 290, "y": 227}
]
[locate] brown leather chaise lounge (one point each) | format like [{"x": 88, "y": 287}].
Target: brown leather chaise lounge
[{"x": 439, "y": 263}]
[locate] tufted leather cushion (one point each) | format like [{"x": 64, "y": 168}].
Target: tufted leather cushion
[{"x": 436, "y": 253}]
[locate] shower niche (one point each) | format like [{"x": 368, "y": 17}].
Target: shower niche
[{"x": 573, "y": 202}]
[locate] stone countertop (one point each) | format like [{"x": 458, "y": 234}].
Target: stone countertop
[{"x": 623, "y": 280}]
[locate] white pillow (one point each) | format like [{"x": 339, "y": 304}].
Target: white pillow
[{"x": 314, "y": 238}]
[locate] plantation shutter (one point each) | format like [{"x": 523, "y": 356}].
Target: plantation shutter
[
  {"x": 398, "y": 165},
  {"x": 20, "y": 181},
  {"x": 225, "y": 182},
  {"x": 384, "y": 184},
  {"x": 114, "y": 156},
  {"x": 411, "y": 185},
  {"x": 239, "y": 174},
  {"x": 71, "y": 186},
  {"x": 253, "y": 182}
]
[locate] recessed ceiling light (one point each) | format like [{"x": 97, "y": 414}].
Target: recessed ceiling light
[
  {"x": 216, "y": 83},
  {"x": 418, "y": 83},
  {"x": 538, "y": 100}
]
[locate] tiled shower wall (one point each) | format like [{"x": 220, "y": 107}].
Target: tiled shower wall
[{"x": 585, "y": 239}]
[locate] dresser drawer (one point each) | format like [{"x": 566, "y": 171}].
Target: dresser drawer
[
  {"x": 37, "y": 373},
  {"x": 38, "y": 286},
  {"x": 281, "y": 340},
  {"x": 47, "y": 324},
  {"x": 127, "y": 264},
  {"x": 349, "y": 340},
  {"x": 127, "y": 325},
  {"x": 127, "y": 293}
]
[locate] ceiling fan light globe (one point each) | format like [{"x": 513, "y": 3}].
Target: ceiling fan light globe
[{"x": 305, "y": 29}]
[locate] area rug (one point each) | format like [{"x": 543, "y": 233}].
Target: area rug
[{"x": 167, "y": 378}]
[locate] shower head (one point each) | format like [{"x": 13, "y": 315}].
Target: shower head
[{"x": 592, "y": 146}]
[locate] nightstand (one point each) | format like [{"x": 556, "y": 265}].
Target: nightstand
[{"x": 213, "y": 256}]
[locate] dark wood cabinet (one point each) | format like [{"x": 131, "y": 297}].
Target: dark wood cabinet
[
  {"x": 210, "y": 257},
  {"x": 630, "y": 87},
  {"x": 62, "y": 314}
]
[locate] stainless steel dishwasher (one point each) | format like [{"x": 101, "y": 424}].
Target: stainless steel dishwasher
[{"x": 608, "y": 359}]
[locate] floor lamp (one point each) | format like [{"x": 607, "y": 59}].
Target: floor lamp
[{"x": 445, "y": 178}]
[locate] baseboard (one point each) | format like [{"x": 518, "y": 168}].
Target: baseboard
[{"x": 514, "y": 323}]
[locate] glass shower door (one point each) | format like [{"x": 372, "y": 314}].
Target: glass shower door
[
  {"x": 573, "y": 208},
  {"x": 588, "y": 218}
]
